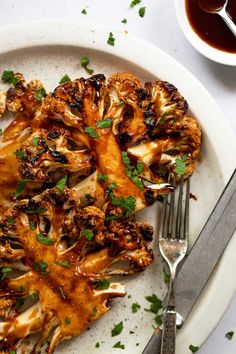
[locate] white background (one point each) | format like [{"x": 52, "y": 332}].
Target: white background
[{"x": 159, "y": 26}]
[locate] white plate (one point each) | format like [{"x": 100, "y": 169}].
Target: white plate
[
  {"x": 49, "y": 50},
  {"x": 208, "y": 51}
]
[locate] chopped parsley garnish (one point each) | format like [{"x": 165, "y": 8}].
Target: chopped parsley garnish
[
  {"x": 193, "y": 348},
  {"x": 39, "y": 152},
  {"x": 61, "y": 184},
  {"x": 20, "y": 187},
  {"x": 64, "y": 79},
  {"x": 229, "y": 335},
  {"x": 180, "y": 165},
  {"x": 141, "y": 11},
  {"x": 135, "y": 307},
  {"x": 158, "y": 320},
  {"x": 163, "y": 117},
  {"x": 97, "y": 345},
  {"x": 65, "y": 264},
  {"x": 117, "y": 329},
  {"x": 121, "y": 103},
  {"x": 88, "y": 196},
  {"x": 113, "y": 217},
  {"x": 19, "y": 303},
  {"x": 13, "y": 352},
  {"x": 44, "y": 239},
  {"x": 5, "y": 271},
  {"x": 119, "y": 345},
  {"x": 104, "y": 284},
  {"x": 92, "y": 132},
  {"x": 62, "y": 293},
  {"x": 112, "y": 186},
  {"x": 95, "y": 310},
  {"x": 84, "y": 12},
  {"x": 131, "y": 171},
  {"x": 88, "y": 234},
  {"x": 41, "y": 267},
  {"x": 126, "y": 203},
  {"x": 134, "y": 3},
  {"x": 21, "y": 288},
  {"x": 156, "y": 304},
  {"x": 124, "y": 20},
  {"x": 67, "y": 321},
  {"x": 102, "y": 178},
  {"x": 111, "y": 39},
  {"x": 20, "y": 154},
  {"x": 32, "y": 225},
  {"x": 1, "y": 132},
  {"x": 41, "y": 93},
  {"x": 36, "y": 211},
  {"x": 160, "y": 198},
  {"x": 35, "y": 141},
  {"x": 104, "y": 124},
  {"x": 84, "y": 62},
  {"x": 11, "y": 221},
  {"x": 166, "y": 276},
  {"x": 32, "y": 294},
  {"x": 9, "y": 77}
]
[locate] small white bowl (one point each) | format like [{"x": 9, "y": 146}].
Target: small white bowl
[{"x": 204, "y": 48}]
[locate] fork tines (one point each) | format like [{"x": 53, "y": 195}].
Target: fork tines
[{"x": 176, "y": 225}]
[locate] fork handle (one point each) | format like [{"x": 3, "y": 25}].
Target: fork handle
[{"x": 169, "y": 333}]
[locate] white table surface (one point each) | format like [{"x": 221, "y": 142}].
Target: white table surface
[{"x": 159, "y": 26}]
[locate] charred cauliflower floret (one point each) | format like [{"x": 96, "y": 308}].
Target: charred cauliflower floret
[{"x": 52, "y": 150}]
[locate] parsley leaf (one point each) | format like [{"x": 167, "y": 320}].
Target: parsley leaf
[
  {"x": 113, "y": 217},
  {"x": 35, "y": 141},
  {"x": 102, "y": 178},
  {"x": 193, "y": 348},
  {"x": 112, "y": 186},
  {"x": 61, "y": 184},
  {"x": 64, "y": 79},
  {"x": 32, "y": 225},
  {"x": 126, "y": 203},
  {"x": 135, "y": 307},
  {"x": 67, "y": 321},
  {"x": 41, "y": 267},
  {"x": 104, "y": 284},
  {"x": 119, "y": 345},
  {"x": 92, "y": 133},
  {"x": 9, "y": 77},
  {"x": 121, "y": 103},
  {"x": 131, "y": 171},
  {"x": 142, "y": 11},
  {"x": 21, "y": 288},
  {"x": 84, "y": 12},
  {"x": 20, "y": 187},
  {"x": 84, "y": 62},
  {"x": 88, "y": 234},
  {"x": 13, "y": 352},
  {"x": 134, "y": 3},
  {"x": 124, "y": 20},
  {"x": 11, "y": 221},
  {"x": 5, "y": 271},
  {"x": 43, "y": 239},
  {"x": 180, "y": 165},
  {"x": 1, "y": 132},
  {"x": 156, "y": 304},
  {"x": 20, "y": 154},
  {"x": 36, "y": 211},
  {"x": 65, "y": 264},
  {"x": 166, "y": 276},
  {"x": 105, "y": 123},
  {"x": 97, "y": 345},
  {"x": 117, "y": 329},
  {"x": 41, "y": 93},
  {"x": 158, "y": 320},
  {"x": 229, "y": 335},
  {"x": 111, "y": 39}
]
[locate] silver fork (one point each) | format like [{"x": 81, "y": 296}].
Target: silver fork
[{"x": 173, "y": 244}]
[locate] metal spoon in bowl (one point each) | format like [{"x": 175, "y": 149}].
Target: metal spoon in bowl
[{"x": 218, "y": 7}]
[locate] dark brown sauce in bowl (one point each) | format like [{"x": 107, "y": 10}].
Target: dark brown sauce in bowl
[{"x": 211, "y": 27}]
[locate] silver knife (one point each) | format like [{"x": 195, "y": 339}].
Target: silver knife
[{"x": 206, "y": 253}]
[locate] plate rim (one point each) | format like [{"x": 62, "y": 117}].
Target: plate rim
[{"x": 93, "y": 37}]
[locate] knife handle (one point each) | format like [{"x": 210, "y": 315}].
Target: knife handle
[{"x": 169, "y": 333}]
